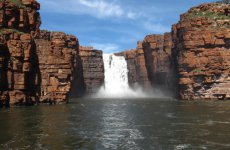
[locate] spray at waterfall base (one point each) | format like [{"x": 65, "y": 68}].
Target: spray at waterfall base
[{"x": 116, "y": 81}]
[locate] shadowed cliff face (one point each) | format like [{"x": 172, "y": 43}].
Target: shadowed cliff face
[
  {"x": 157, "y": 51},
  {"x": 17, "y": 68},
  {"x": 93, "y": 70},
  {"x": 202, "y": 53},
  {"x": 18, "y": 59}
]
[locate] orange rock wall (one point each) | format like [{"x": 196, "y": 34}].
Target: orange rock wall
[
  {"x": 35, "y": 66},
  {"x": 202, "y": 52},
  {"x": 57, "y": 54}
]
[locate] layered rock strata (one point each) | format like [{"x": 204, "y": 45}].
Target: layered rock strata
[
  {"x": 35, "y": 66},
  {"x": 18, "y": 63},
  {"x": 202, "y": 52},
  {"x": 58, "y": 55},
  {"x": 93, "y": 69},
  {"x": 137, "y": 75},
  {"x": 17, "y": 68},
  {"x": 157, "y": 51},
  {"x": 20, "y": 14},
  {"x": 41, "y": 66}
]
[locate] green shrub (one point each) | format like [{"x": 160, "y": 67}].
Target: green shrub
[{"x": 208, "y": 14}]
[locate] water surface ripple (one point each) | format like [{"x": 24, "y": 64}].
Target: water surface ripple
[{"x": 123, "y": 124}]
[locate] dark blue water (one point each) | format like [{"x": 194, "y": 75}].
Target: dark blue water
[{"x": 124, "y": 124}]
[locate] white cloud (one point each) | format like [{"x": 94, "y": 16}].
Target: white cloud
[
  {"x": 96, "y": 8},
  {"x": 156, "y": 27},
  {"x": 107, "y": 47},
  {"x": 101, "y": 9},
  {"x": 132, "y": 15}
]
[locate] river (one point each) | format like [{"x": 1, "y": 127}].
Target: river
[{"x": 123, "y": 124}]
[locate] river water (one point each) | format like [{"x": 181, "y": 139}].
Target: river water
[{"x": 123, "y": 124}]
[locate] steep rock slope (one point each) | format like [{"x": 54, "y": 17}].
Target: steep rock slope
[
  {"x": 18, "y": 63},
  {"x": 157, "y": 51},
  {"x": 137, "y": 75},
  {"x": 93, "y": 69},
  {"x": 57, "y": 57},
  {"x": 17, "y": 68},
  {"x": 202, "y": 52}
]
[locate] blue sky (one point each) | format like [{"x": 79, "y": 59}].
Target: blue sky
[{"x": 112, "y": 25}]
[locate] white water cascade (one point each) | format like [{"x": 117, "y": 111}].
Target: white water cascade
[{"x": 116, "y": 79}]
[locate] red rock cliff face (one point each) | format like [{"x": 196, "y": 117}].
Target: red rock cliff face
[
  {"x": 18, "y": 61},
  {"x": 35, "y": 66},
  {"x": 137, "y": 74},
  {"x": 93, "y": 69},
  {"x": 57, "y": 54},
  {"x": 157, "y": 51},
  {"x": 202, "y": 52},
  {"x": 18, "y": 66},
  {"x": 19, "y": 14}
]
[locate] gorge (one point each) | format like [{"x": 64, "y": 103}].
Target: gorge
[
  {"x": 37, "y": 66},
  {"x": 170, "y": 92}
]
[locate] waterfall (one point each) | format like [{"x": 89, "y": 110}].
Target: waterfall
[{"x": 116, "y": 79}]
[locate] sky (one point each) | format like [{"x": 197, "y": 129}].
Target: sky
[{"x": 112, "y": 25}]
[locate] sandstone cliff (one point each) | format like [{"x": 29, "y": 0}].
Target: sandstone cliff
[
  {"x": 193, "y": 61},
  {"x": 57, "y": 59},
  {"x": 35, "y": 66},
  {"x": 93, "y": 69},
  {"x": 18, "y": 61},
  {"x": 17, "y": 67},
  {"x": 20, "y": 15},
  {"x": 157, "y": 51},
  {"x": 201, "y": 52},
  {"x": 137, "y": 75}
]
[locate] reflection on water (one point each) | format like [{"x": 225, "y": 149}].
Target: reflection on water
[
  {"x": 118, "y": 131},
  {"x": 140, "y": 124}
]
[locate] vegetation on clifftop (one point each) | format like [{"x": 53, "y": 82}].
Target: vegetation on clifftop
[
  {"x": 15, "y": 2},
  {"x": 215, "y": 13},
  {"x": 4, "y": 31},
  {"x": 208, "y": 14}
]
